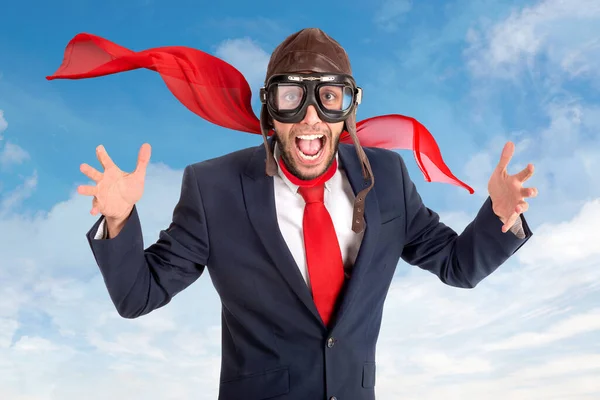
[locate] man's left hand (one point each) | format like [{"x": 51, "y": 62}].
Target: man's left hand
[{"x": 507, "y": 192}]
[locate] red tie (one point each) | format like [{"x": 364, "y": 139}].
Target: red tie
[{"x": 323, "y": 254}]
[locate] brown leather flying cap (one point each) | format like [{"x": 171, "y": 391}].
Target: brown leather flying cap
[{"x": 312, "y": 50}]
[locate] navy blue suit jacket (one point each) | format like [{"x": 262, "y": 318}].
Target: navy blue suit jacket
[{"x": 274, "y": 344}]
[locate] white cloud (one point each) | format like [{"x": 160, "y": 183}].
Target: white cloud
[
  {"x": 3, "y": 123},
  {"x": 17, "y": 195},
  {"x": 34, "y": 345},
  {"x": 564, "y": 329},
  {"x": 390, "y": 13},
  {"x": 441, "y": 364},
  {"x": 563, "y": 366},
  {"x": 7, "y": 330},
  {"x": 12, "y": 154},
  {"x": 571, "y": 237},
  {"x": 565, "y": 33},
  {"x": 248, "y": 57}
]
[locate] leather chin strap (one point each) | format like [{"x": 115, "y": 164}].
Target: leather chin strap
[
  {"x": 358, "y": 215},
  {"x": 271, "y": 163}
]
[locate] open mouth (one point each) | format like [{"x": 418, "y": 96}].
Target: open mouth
[{"x": 310, "y": 147}]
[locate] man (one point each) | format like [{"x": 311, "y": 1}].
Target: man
[{"x": 301, "y": 256}]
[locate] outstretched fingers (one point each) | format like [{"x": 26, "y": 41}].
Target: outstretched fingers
[
  {"x": 87, "y": 190},
  {"x": 104, "y": 158},
  {"x": 143, "y": 159},
  {"x": 522, "y": 207},
  {"x": 506, "y": 156},
  {"x": 529, "y": 192},
  {"x": 91, "y": 172},
  {"x": 525, "y": 173},
  {"x": 95, "y": 207}
]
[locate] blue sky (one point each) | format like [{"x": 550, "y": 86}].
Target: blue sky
[{"x": 476, "y": 73}]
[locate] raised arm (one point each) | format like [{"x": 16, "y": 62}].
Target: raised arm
[
  {"x": 140, "y": 279},
  {"x": 458, "y": 260}
]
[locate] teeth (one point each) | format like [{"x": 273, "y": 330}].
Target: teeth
[{"x": 310, "y": 137}]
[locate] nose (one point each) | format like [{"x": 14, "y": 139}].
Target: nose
[{"x": 311, "y": 117}]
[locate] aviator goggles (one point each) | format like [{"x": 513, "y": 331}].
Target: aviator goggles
[{"x": 287, "y": 96}]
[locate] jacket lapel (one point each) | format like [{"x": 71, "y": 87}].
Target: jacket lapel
[
  {"x": 259, "y": 196},
  {"x": 353, "y": 169}
]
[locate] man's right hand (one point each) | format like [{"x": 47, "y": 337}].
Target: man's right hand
[{"x": 115, "y": 192}]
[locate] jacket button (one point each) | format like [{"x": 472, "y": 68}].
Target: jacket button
[{"x": 330, "y": 343}]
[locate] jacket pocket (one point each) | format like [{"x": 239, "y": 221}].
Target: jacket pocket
[
  {"x": 368, "y": 379},
  {"x": 258, "y": 386}
]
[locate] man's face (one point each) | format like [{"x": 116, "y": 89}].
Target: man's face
[{"x": 309, "y": 146}]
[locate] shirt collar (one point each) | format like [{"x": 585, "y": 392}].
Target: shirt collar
[{"x": 293, "y": 187}]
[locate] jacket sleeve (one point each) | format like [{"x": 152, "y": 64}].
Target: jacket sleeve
[
  {"x": 458, "y": 260},
  {"x": 141, "y": 280}
]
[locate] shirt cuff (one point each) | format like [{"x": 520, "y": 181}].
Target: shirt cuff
[
  {"x": 517, "y": 228},
  {"x": 101, "y": 232}
]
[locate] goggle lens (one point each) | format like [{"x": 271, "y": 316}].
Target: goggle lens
[{"x": 289, "y": 96}]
